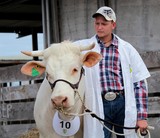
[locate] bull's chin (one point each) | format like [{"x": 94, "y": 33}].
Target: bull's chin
[
  {"x": 64, "y": 116},
  {"x": 68, "y": 109}
]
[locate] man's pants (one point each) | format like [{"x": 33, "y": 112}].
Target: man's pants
[{"x": 114, "y": 112}]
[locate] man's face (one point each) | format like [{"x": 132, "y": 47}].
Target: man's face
[{"x": 103, "y": 27}]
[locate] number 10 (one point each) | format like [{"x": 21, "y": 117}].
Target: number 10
[{"x": 67, "y": 125}]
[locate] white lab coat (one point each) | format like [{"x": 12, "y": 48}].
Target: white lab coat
[{"x": 133, "y": 69}]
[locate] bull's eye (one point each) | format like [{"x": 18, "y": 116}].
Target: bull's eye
[{"x": 74, "y": 71}]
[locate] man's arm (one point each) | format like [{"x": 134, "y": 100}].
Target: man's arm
[{"x": 141, "y": 95}]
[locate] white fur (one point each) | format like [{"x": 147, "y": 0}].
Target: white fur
[{"x": 59, "y": 61}]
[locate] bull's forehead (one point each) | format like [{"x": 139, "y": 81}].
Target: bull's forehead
[
  {"x": 63, "y": 57},
  {"x": 66, "y": 60},
  {"x": 63, "y": 64}
]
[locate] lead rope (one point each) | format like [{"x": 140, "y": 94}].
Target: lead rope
[
  {"x": 138, "y": 131},
  {"x": 88, "y": 112}
]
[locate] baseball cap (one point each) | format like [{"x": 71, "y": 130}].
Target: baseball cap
[{"x": 106, "y": 12}]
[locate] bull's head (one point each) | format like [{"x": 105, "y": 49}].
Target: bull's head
[{"x": 62, "y": 61}]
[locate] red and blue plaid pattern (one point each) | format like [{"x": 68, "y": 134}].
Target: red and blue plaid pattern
[
  {"x": 111, "y": 78},
  {"x": 110, "y": 67},
  {"x": 141, "y": 99}
]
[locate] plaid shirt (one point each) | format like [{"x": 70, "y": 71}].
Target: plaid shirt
[{"x": 111, "y": 77}]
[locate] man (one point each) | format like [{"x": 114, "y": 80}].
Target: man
[{"x": 115, "y": 88}]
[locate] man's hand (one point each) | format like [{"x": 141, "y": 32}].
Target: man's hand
[{"x": 142, "y": 124}]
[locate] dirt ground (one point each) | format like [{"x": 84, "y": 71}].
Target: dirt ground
[{"x": 31, "y": 134}]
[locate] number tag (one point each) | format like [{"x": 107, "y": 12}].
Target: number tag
[{"x": 65, "y": 128}]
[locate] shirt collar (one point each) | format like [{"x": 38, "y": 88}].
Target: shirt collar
[{"x": 114, "y": 40}]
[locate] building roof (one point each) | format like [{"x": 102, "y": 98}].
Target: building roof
[{"x": 20, "y": 16}]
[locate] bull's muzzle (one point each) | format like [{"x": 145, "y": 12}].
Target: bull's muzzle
[{"x": 60, "y": 101}]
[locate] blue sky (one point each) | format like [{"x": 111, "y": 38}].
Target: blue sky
[{"x": 11, "y": 46}]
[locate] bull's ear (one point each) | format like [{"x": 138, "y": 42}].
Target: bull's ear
[
  {"x": 91, "y": 58},
  {"x": 33, "y": 68}
]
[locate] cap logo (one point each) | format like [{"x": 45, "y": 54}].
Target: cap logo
[{"x": 108, "y": 13}]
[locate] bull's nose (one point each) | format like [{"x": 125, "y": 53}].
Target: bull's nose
[{"x": 59, "y": 101}]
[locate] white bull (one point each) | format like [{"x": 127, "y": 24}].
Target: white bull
[{"x": 60, "y": 61}]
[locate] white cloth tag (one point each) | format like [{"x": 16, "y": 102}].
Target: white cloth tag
[{"x": 65, "y": 128}]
